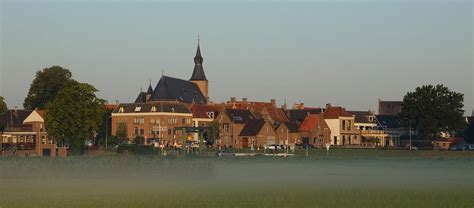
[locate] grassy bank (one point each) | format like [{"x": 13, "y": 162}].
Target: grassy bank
[{"x": 345, "y": 178}]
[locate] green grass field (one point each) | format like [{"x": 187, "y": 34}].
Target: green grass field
[{"x": 345, "y": 178}]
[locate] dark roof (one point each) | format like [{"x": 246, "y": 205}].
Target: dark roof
[
  {"x": 300, "y": 114},
  {"x": 252, "y": 127},
  {"x": 14, "y": 118},
  {"x": 141, "y": 98},
  {"x": 387, "y": 121},
  {"x": 161, "y": 106},
  {"x": 362, "y": 116},
  {"x": 198, "y": 73},
  {"x": 169, "y": 88},
  {"x": 240, "y": 115},
  {"x": 150, "y": 90},
  {"x": 292, "y": 126}
]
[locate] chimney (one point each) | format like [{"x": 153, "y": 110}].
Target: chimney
[
  {"x": 233, "y": 100},
  {"x": 244, "y": 100},
  {"x": 222, "y": 107},
  {"x": 328, "y": 105},
  {"x": 273, "y": 101}
]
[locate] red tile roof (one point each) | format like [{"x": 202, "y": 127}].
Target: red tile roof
[
  {"x": 310, "y": 122},
  {"x": 41, "y": 113},
  {"x": 336, "y": 112},
  {"x": 201, "y": 111}
]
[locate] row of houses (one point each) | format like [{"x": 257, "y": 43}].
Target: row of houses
[{"x": 246, "y": 124}]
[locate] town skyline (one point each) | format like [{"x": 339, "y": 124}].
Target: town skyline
[{"x": 305, "y": 69}]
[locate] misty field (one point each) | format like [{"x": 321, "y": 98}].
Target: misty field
[{"x": 345, "y": 178}]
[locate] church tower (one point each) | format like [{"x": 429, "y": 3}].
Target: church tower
[{"x": 198, "y": 77}]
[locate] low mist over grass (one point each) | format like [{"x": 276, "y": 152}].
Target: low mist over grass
[{"x": 316, "y": 181}]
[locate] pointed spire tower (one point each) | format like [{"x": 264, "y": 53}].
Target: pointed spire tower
[
  {"x": 199, "y": 77},
  {"x": 149, "y": 92}
]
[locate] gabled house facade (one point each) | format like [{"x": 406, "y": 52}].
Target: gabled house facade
[
  {"x": 231, "y": 122},
  {"x": 341, "y": 125},
  {"x": 257, "y": 133},
  {"x": 288, "y": 134},
  {"x": 315, "y": 131}
]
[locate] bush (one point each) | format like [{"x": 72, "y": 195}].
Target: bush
[{"x": 137, "y": 149}]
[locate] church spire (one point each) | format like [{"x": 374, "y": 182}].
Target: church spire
[{"x": 198, "y": 73}]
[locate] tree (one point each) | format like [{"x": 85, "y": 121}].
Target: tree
[
  {"x": 3, "y": 109},
  {"x": 139, "y": 140},
  {"x": 3, "y": 106},
  {"x": 122, "y": 131},
  {"x": 213, "y": 133},
  {"x": 469, "y": 131},
  {"x": 104, "y": 126},
  {"x": 431, "y": 110},
  {"x": 74, "y": 115},
  {"x": 46, "y": 86}
]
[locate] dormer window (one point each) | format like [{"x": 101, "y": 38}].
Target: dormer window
[
  {"x": 210, "y": 114},
  {"x": 172, "y": 109},
  {"x": 138, "y": 109},
  {"x": 153, "y": 109},
  {"x": 183, "y": 91},
  {"x": 121, "y": 110}
]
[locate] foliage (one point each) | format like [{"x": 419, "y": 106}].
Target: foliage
[
  {"x": 104, "y": 127},
  {"x": 469, "y": 132},
  {"x": 431, "y": 110},
  {"x": 3, "y": 106},
  {"x": 137, "y": 149},
  {"x": 3, "y": 109},
  {"x": 113, "y": 141},
  {"x": 47, "y": 84},
  {"x": 213, "y": 133},
  {"x": 122, "y": 131},
  {"x": 139, "y": 140},
  {"x": 74, "y": 115}
]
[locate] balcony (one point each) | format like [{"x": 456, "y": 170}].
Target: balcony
[{"x": 374, "y": 133}]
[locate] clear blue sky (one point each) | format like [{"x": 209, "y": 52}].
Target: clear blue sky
[{"x": 348, "y": 53}]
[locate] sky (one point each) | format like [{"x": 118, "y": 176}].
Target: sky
[{"x": 347, "y": 53}]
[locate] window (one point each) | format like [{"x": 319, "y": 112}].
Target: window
[
  {"x": 169, "y": 131},
  {"x": 349, "y": 125},
  {"x": 343, "y": 124},
  {"x": 121, "y": 110},
  {"x": 152, "y": 121},
  {"x": 172, "y": 120},
  {"x": 153, "y": 109},
  {"x": 138, "y": 120},
  {"x": 226, "y": 127},
  {"x": 138, "y": 109},
  {"x": 183, "y": 121},
  {"x": 210, "y": 114},
  {"x": 142, "y": 132},
  {"x": 135, "y": 130}
]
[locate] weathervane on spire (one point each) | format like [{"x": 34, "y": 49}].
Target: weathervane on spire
[{"x": 198, "y": 39}]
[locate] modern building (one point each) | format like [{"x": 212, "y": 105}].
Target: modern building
[{"x": 341, "y": 125}]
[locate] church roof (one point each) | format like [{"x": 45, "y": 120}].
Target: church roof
[
  {"x": 198, "y": 73},
  {"x": 150, "y": 90},
  {"x": 169, "y": 88},
  {"x": 141, "y": 98}
]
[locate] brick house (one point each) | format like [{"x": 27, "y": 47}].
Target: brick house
[
  {"x": 287, "y": 133},
  {"x": 231, "y": 122},
  {"x": 153, "y": 120},
  {"x": 257, "y": 133},
  {"x": 25, "y": 135},
  {"x": 315, "y": 131}
]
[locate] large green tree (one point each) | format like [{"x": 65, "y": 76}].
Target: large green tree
[
  {"x": 3, "y": 109},
  {"x": 122, "y": 131},
  {"x": 74, "y": 115},
  {"x": 431, "y": 110},
  {"x": 46, "y": 85},
  {"x": 3, "y": 106}
]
